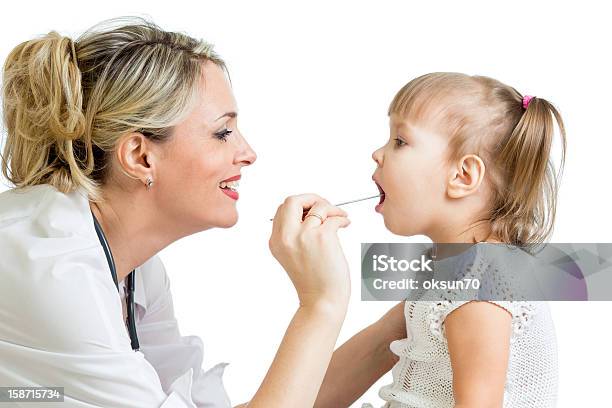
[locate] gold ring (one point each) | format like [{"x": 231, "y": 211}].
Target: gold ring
[{"x": 315, "y": 215}]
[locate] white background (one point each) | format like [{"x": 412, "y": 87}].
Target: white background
[{"x": 313, "y": 82}]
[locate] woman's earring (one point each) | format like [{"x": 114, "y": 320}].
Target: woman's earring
[{"x": 149, "y": 182}]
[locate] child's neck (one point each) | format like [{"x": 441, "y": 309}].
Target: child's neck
[{"x": 462, "y": 241}]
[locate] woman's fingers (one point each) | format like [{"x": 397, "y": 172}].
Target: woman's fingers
[
  {"x": 336, "y": 222},
  {"x": 309, "y": 250},
  {"x": 295, "y": 205},
  {"x": 290, "y": 212},
  {"x": 324, "y": 210}
]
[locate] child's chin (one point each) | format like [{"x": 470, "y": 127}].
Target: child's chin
[
  {"x": 394, "y": 227},
  {"x": 399, "y": 228}
]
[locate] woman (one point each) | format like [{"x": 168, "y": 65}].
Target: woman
[{"x": 119, "y": 144}]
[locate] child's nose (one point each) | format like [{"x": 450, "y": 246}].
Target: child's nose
[{"x": 377, "y": 156}]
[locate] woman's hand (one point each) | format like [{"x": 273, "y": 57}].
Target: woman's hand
[{"x": 309, "y": 250}]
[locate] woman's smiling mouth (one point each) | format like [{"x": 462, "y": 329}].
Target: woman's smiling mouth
[{"x": 230, "y": 187}]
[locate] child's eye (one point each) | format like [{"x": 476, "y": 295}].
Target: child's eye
[
  {"x": 223, "y": 134},
  {"x": 399, "y": 142}
]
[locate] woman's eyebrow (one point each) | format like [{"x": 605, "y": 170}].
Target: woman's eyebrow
[{"x": 228, "y": 114}]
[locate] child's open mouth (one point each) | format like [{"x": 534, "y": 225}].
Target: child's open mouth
[{"x": 382, "y": 197}]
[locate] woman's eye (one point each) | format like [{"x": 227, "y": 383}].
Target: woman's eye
[
  {"x": 223, "y": 134},
  {"x": 399, "y": 142}
]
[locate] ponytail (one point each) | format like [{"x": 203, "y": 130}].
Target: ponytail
[
  {"x": 43, "y": 113},
  {"x": 526, "y": 207}
]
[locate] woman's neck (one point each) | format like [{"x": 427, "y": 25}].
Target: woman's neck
[{"x": 133, "y": 235}]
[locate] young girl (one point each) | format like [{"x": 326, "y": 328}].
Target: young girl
[{"x": 467, "y": 161}]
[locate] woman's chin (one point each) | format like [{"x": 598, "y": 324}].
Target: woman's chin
[{"x": 228, "y": 221}]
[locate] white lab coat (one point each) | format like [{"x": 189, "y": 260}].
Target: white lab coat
[{"x": 61, "y": 320}]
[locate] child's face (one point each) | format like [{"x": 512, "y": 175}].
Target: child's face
[{"x": 412, "y": 172}]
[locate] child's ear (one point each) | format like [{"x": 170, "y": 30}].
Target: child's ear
[{"x": 466, "y": 176}]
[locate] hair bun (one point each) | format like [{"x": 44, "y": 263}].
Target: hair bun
[
  {"x": 61, "y": 81},
  {"x": 43, "y": 100}
]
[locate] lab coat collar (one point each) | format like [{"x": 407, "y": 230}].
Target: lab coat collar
[{"x": 139, "y": 293}]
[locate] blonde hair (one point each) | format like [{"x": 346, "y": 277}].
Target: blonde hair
[
  {"x": 66, "y": 103},
  {"x": 483, "y": 116}
]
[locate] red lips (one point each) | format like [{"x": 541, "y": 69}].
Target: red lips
[
  {"x": 228, "y": 192},
  {"x": 234, "y": 178}
]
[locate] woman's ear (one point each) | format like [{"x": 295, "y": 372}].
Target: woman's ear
[
  {"x": 135, "y": 156},
  {"x": 465, "y": 178}
]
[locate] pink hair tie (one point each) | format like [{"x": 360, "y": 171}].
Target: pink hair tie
[{"x": 526, "y": 100}]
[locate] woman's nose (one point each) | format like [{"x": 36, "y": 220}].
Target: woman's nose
[{"x": 246, "y": 155}]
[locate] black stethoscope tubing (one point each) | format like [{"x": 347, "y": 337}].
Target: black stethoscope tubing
[{"x": 130, "y": 287}]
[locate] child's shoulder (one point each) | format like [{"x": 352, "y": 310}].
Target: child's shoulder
[
  {"x": 522, "y": 313},
  {"x": 499, "y": 274}
]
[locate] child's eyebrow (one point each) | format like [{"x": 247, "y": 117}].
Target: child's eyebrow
[{"x": 406, "y": 131}]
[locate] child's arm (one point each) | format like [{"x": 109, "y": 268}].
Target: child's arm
[
  {"x": 362, "y": 360},
  {"x": 478, "y": 335}
]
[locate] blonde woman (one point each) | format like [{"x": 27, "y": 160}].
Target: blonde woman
[{"x": 118, "y": 144}]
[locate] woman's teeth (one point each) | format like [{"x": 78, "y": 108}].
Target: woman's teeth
[{"x": 232, "y": 185}]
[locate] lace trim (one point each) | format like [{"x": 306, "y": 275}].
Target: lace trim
[{"x": 522, "y": 313}]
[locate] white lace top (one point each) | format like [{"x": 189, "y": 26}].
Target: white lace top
[{"x": 422, "y": 378}]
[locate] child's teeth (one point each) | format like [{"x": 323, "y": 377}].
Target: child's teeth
[{"x": 222, "y": 184}]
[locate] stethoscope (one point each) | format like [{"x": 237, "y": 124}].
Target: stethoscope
[{"x": 131, "y": 324}]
